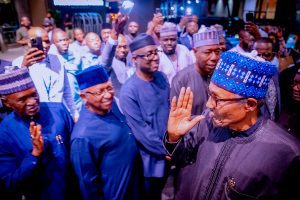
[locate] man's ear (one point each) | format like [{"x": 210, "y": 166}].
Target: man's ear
[
  {"x": 194, "y": 50},
  {"x": 83, "y": 97},
  {"x": 133, "y": 58},
  {"x": 251, "y": 104},
  {"x": 4, "y": 100}
]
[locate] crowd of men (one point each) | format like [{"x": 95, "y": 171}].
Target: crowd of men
[{"x": 173, "y": 113}]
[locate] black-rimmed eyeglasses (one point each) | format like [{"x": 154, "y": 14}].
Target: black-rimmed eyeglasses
[
  {"x": 101, "y": 92},
  {"x": 216, "y": 100},
  {"x": 150, "y": 55}
]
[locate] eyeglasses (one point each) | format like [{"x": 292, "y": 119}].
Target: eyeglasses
[
  {"x": 150, "y": 55},
  {"x": 216, "y": 100},
  {"x": 100, "y": 93}
]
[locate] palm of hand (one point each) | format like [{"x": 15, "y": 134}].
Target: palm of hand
[{"x": 179, "y": 121}]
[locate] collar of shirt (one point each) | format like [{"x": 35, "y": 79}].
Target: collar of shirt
[
  {"x": 35, "y": 118},
  {"x": 249, "y": 131}
]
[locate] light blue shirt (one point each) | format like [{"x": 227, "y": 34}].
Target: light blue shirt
[
  {"x": 51, "y": 81},
  {"x": 73, "y": 64},
  {"x": 90, "y": 59}
]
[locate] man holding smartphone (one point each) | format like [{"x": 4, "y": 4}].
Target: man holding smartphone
[
  {"x": 47, "y": 73},
  {"x": 252, "y": 28}
]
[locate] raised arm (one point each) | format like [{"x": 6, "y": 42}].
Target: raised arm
[
  {"x": 184, "y": 134},
  {"x": 180, "y": 121},
  {"x": 110, "y": 47}
]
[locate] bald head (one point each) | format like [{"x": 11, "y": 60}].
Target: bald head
[
  {"x": 55, "y": 32},
  {"x": 93, "y": 42},
  {"x": 91, "y": 35},
  {"x": 246, "y": 40},
  {"x": 36, "y": 32},
  {"x": 78, "y": 35},
  {"x": 61, "y": 40},
  {"x": 122, "y": 48},
  {"x": 264, "y": 48},
  {"x": 25, "y": 21}
]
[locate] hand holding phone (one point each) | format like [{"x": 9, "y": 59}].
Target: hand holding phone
[
  {"x": 35, "y": 53},
  {"x": 126, "y": 7},
  {"x": 119, "y": 25},
  {"x": 37, "y": 43},
  {"x": 249, "y": 17}
]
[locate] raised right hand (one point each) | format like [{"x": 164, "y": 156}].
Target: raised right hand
[
  {"x": 120, "y": 23},
  {"x": 36, "y": 139},
  {"x": 180, "y": 121},
  {"x": 32, "y": 56},
  {"x": 183, "y": 21}
]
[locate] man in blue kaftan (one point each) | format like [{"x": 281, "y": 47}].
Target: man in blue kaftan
[
  {"x": 103, "y": 150},
  {"x": 34, "y": 141},
  {"x": 144, "y": 101}
]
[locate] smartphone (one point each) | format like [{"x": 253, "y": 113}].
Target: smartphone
[
  {"x": 291, "y": 41},
  {"x": 249, "y": 17},
  {"x": 189, "y": 17},
  {"x": 37, "y": 43},
  {"x": 126, "y": 7}
]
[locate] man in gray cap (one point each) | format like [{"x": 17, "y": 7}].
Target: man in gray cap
[
  {"x": 174, "y": 57},
  {"x": 34, "y": 142},
  {"x": 144, "y": 101},
  {"x": 197, "y": 76},
  {"x": 235, "y": 152}
]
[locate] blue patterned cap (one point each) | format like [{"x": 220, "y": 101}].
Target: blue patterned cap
[
  {"x": 15, "y": 81},
  {"x": 246, "y": 75},
  {"x": 91, "y": 76}
]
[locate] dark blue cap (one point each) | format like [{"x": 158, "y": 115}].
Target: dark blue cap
[
  {"x": 141, "y": 41},
  {"x": 91, "y": 76},
  {"x": 106, "y": 26}
]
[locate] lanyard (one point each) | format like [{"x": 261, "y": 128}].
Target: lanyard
[{"x": 48, "y": 88}]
